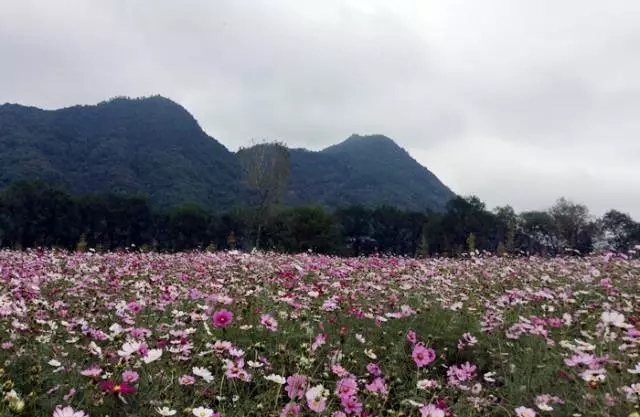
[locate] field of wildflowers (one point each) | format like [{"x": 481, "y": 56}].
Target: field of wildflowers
[{"x": 233, "y": 334}]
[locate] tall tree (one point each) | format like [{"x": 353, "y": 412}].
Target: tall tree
[
  {"x": 621, "y": 232},
  {"x": 538, "y": 233},
  {"x": 507, "y": 223},
  {"x": 266, "y": 170},
  {"x": 572, "y": 221}
]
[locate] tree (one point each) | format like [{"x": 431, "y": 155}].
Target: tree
[
  {"x": 266, "y": 170},
  {"x": 471, "y": 243},
  {"x": 538, "y": 233},
  {"x": 572, "y": 221},
  {"x": 507, "y": 224},
  {"x": 423, "y": 247},
  {"x": 620, "y": 231}
]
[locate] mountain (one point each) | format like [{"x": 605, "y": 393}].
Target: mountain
[
  {"x": 368, "y": 170},
  {"x": 153, "y": 146}
]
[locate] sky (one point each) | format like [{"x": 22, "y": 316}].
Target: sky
[{"x": 519, "y": 102}]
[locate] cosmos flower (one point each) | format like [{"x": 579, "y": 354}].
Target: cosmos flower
[
  {"x": 222, "y": 318},
  {"x": 422, "y": 356}
]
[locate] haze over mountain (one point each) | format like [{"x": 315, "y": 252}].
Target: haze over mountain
[{"x": 153, "y": 146}]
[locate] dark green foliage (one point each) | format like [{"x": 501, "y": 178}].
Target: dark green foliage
[
  {"x": 35, "y": 214},
  {"x": 365, "y": 170},
  {"x": 144, "y": 146},
  {"x": 154, "y": 147}
]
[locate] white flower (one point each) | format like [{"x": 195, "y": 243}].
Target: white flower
[
  {"x": 95, "y": 349},
  {"x": 54, "y": 363},
  {"x": 370, "y": 354},
  {"x": 202, "y": 412},
  {"x": 276, "y": 378},
  {"x": 544, "y": 406},
  {"x": 425, "y": 384},
  {"x": 128, "y": 349},
  {"x": 67, "y": 412},
  {"x": 254, "y": 364},
  {"x": 525, "y": 412},
  {"x": 635, "y": 370},
  {"x": 152, "y": 355},
  {"x": 166, "y": 411},
  {"x": 115, "y": 329},
  {"x": 203, "y": 373},
  {"x": 360, "y": 338},
  {"x": 612, "y": 318},
  {"x": 489, "y": 377}
]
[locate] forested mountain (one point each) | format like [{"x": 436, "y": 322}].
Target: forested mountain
[
  {"x": 379, "y": 172},
  {"x": 154, "y": 147},
  {"x": 146, "y": 146}
]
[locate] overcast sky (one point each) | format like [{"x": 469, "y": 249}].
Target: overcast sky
[{"x": 516, "y": 101}]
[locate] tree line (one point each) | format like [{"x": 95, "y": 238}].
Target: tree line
[{"x": 35, "y": 214}]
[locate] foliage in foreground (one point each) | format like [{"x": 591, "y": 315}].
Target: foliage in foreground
[{"x": 233, "y": 334}]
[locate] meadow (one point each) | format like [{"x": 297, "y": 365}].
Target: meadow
[{"x": 233, "y": 334}]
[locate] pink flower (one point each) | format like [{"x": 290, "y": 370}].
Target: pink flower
[
  {"x": 423, "y": 356},
  {"x": 374, "y": 369},
  {"x": 378, "y": 385},
  {"x": 70, "y": 394},
  {"x": 222, "y": 318},
  {"x": 411, "y": 336},
  {"x": 351, "y": 405},
  {"x": 525, "y": 412},
  {"x": 186, "y": 380},
  {"x": 347, "y": 387},
  {"x": 68, "y": 412},
  {"x": 296, "y": 385},
  {"x": 290, "y": 410},
  {"x": 339, "y": 370},
  {"x": 269, "y": 322},
  {"x": 315, "y": 399},
  {"x": 130, "y": 376},
  {"x": 431, "y": 410},
  {"x": 319, "y": 341},
  {"x": 93, "y": 371},
  {"x": 134, "y": 307}
]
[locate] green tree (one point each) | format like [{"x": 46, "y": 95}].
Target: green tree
[{"x": 572, "y": 223}]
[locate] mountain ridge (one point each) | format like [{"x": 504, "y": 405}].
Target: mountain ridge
[{"x": 154, "y": 146}]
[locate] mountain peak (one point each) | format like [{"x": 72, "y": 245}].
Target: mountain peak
[{"x": 358, "y": 142}]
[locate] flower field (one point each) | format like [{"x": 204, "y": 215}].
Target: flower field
[{"x": 232, "y": 334}]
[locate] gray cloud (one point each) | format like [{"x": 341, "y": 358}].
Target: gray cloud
[{"x": 517, "y": 102}]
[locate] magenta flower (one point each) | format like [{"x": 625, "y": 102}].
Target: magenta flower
[
  {"x": 374, "y": 369},
  {"x": 222, "y": 318},
  {"x": 110, "y": 386},
  {"x": 423, "y": 356}
]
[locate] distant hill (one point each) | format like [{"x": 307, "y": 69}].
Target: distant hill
[
  {"x": 153, "y": 146},
  {"x": 367, "y": 170}
]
